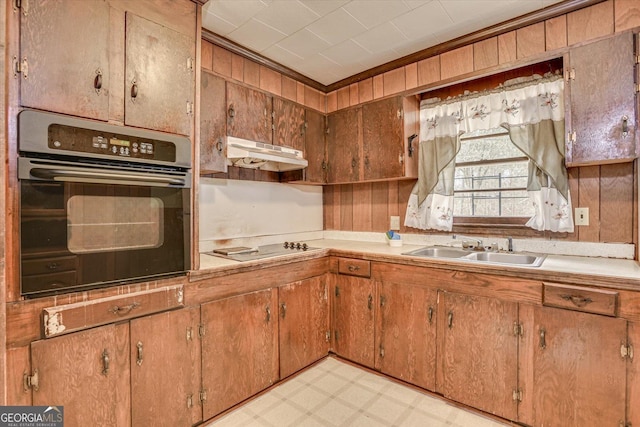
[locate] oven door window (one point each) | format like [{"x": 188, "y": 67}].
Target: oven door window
[{"x": 114, "y": 223}]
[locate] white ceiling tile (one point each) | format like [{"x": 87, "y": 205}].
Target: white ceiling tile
[
  {"x": 304, "y": 43},
  {"x": 416, "y": 45},
  {"x": 256, "y": 36},
  {"x": 337, "y": 27},
  {"x": 423, "y": 21},
  {"x": 281, "y": 55},
  {"x": 381, "y": 38},
  {"x": 324, "y": 70},
  {"x": 323, "y": 7},
  {"x": 235, "y": 12},
  {"x": 372, "y": 13},
  {"x": 209, "y": 20},
  {"x": 346, "y": 52},
  {"x": 286, "y": 16},
  {"x": 414, "y": 4}
]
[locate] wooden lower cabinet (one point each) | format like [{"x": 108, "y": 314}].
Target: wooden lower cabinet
[
  {"x": 87, "y": 373},
  {"x": 353, "y": 319},
  {"x": 239, "y": 348},
  {"x": 303, "y": 324},
  {"x": 407, "y": 338},
  {"x": 576, "y": 372},
  {"x": 165, "y": 369},
  {"x": 478, "y": 353},
  {"x": 633, "y": 377}
]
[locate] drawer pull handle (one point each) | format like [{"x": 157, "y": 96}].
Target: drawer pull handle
[
  {"x": 140, "y": 358},
  {"x": 105, "y": 362},
  {"x": 353, "y": 268},
  {"x": 53, "y": 266},
  {"x": 126, "y": 309},
  {"x": 543, "y": 338},
  {"x": 577, "y": 300}
]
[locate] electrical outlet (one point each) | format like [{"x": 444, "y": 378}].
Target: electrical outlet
[
  {"x": 394, "y": 223},
  {"x": 582, "y": 216}
]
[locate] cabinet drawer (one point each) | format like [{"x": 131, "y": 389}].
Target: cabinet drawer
[
  {"x": 48, "y": 265},
  {"x": 354, "y": 267},
  {"x": 598, "y": 301},
  {"x": 66, "y": 318}
]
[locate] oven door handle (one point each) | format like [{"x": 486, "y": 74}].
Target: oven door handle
[{"x": 108, "y": 177}]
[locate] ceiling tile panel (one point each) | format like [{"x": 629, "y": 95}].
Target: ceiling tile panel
[
  {"x": 346, "y": 52},
  {"x": 256, "y": 36},
  {"x": 381, "y": 38},
  {"x": 323, "y": 7},
  {"x": 423, "y": 21},
  {"x": 287, "y": 16},
  {"x": 209, "y": 20},
  {"x": 235, "y": 12},
  {"x": 337, "y": 27},
  {"x": 372, "y": 13},
  {"x": 304, "y": 44}
]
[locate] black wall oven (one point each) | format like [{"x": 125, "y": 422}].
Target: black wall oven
[{"x": 100, "y": 204}]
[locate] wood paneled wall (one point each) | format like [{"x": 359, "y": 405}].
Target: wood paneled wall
[
  {"x": 234, "y": 67},
  {"x": 607, "y": 190}
]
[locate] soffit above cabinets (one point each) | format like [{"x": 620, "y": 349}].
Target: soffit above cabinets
[{"x": 330, "y": 40}]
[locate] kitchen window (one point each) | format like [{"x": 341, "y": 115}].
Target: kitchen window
[{"x": 490, "y": 178}]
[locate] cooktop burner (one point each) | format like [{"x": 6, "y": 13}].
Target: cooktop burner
[{"x": 244, "y": 253}]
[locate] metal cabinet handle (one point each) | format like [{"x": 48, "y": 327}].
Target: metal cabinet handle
[
  {"x": 53, "y": 266},
  {"x": 140, "y": 358},
  {"x": 383, "y": 300},
  {"x": 625, "y": 126},
  {"x": 353, "y": 163},
  {"x": 450, "y": 320},
  {"x": 268, "y": 311},
  {"x": 430, "y": 314},
  {"x": 120, "y": 311},
  {"x": 543, "y": 338},
  {"x": 134, "y": 90},
  {"x": 105, "y": 362},
  {"x": 353, "y": 268},
  {"x": 219, "y": 145},
  {"x": 97, "y": 81},
  {"x": 231, "y": 112},
  {"x": 366, "y": 161},
  {"x": 370, "y": 302},
  {"x": 577, "y": 300},
  {"x": 283, "y": 310}
]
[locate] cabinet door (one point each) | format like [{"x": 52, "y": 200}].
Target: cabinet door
[
  {"x": 315, "y": 147},
  {"x": 239, "y": 348},
  {"x": 213, "y": 123},
  {"x": 160, "y": 78},
  {"x": 303, "y": 324},
  {"x": 478, "y": 364},
  {"x": 383, "y": 145},
  {"x": 407, "y": 348},
  {"x": 578, "y": 373},
  {"x": 87, "y": 373},
  {"x": 354, "y": 319},
  {"x": 344, "y": 141},
  {"x": 633, "y": 378},
  {"x": 66, "y": 46},
  {"x": 248, "y": 114},
  {"x": 288, "y": 124},
  {"x": 601, "y": 96},
  {"x": 165, "y": 369}
]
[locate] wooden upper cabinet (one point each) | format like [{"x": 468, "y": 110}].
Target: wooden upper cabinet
[
  {"x": 407, "y": 343},
  {"x": 159, "y": 77},
  {"x": 576, "y": 369},
  {"x": 353, "y": 322},
  {"x": 315, "y": 148},
  {"x": 602, "y": 102},
  {"x": 304, "y": 324},
  {"x": 478, "y": 361},
  {"x": 239, "y": 348},
  {"x": 384, "y": 139},
  {"x": 344, "y": 142},
  {"x": 213, "y": 123},
  {"x": 248, "y": 114},
  {"x": 371, "y": 142},
  {"x": 165, "y": 369},
  {"x": 288, "y": 124},
  {"x": 87, "y": 373},
  {"x": 65, "y": 49}
]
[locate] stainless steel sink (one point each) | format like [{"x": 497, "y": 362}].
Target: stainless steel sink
[
  {"x": 523, "y": 260},
  {"x": 438, "y": 252},
  {"x": 508, "y": 258}
]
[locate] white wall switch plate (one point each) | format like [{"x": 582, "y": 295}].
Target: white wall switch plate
[
  {"x": 582, "y": 216},
  {"x": 394, "y": 224}
]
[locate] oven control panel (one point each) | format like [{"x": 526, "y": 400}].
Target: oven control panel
[{"x": 78, "y": 141}]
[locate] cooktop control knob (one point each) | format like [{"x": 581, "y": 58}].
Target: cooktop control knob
[
  {"x": 286, "y": 245},
  {"x": 305, "y": 247},
  {"x": 298, "y": 246}
]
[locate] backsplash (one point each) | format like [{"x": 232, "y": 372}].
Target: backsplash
[{"x": 235, "y": 212}]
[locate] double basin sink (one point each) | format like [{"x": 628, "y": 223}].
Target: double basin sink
[{"x": 501, "y": 258}]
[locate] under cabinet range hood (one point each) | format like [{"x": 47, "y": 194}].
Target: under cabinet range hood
[{"x": 257, "y": 155}]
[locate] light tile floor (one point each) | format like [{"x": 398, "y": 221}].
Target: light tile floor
[{"x": 334, "y": 393}]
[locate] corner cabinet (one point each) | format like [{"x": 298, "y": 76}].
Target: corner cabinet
[
  {"x": 315, "y": 147},
  {"x": 601, "y": 102},
  {"x": 100, "y": 61},
  {"x": 371, "y": 142},
  {"x": 239, "y": 348}
]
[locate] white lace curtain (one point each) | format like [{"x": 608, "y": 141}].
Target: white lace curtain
[{"x": 533, "y": 114}]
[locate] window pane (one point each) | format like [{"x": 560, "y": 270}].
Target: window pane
[
  {"x": 491, "y": 176},
  {"x": 489, "y": 147},
  {"x": 493, "y": 204}
]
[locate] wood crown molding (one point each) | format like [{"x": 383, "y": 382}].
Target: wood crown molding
[
  {"x": 531, "y": 18},
  {"x": 200, "y": 2}
]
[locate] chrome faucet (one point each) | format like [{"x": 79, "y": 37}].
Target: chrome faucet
[
  {"x": 465, "y": 244},
  {"x": 510, "y": 244}
]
